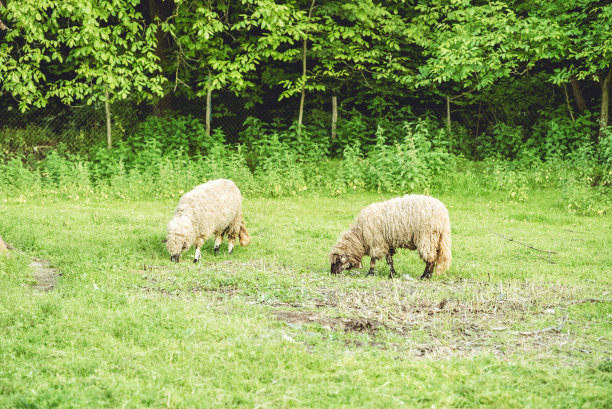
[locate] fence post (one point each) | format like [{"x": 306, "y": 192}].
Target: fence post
[
  {"x": 334, "y": 117},
  {"x": 208, "y": 105},
  {"x": 448, "y": 122},
  {"x": 109, "y": 139}
]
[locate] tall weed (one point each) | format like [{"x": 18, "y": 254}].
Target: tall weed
[{"x": 407, "y": 165}]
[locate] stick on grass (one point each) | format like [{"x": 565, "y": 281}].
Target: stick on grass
[{"x": 524, "y": 244}]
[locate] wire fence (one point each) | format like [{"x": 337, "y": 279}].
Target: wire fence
[{"x": 82, "y": 127}]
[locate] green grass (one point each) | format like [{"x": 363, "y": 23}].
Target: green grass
[{"x": 267, "y": 326}]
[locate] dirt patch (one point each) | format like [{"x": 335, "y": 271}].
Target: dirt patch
[
  {"x": 461, "y": 319},
  {"x": 298, "y": 317},
  {"x": 44, "y": 274}
]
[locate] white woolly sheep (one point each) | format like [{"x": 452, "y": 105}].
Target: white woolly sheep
[
  {"x": 414, "y": 222},
  {"x": 211, "y": 208}
]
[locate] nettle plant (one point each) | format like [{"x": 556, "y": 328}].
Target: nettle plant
[{"x": 407, "y": 165}]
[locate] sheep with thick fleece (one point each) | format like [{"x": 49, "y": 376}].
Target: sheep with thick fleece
[
  {"x": 213, "y": 208},
  {"x": 414, "y": 222}
]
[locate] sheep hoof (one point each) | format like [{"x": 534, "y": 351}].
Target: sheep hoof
[
  {"x": 195, "y": 260},
  {"x": 370, "y": 273},
  {"x": 216, "y": 250}
]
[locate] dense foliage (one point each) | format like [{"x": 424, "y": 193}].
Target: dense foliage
[
  {"x": 511, "y": 63},
  {"x": 272, "y": 164},
  {"x": 420, "y": 89}
]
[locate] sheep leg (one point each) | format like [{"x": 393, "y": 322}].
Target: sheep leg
[
  {"x": 218, "y": 240},
  {"x": 390, "y": 262},
  {"x": 372, "y": 262},
  {"x": 429, "y": 268},
  {"x": 198, "y": 243},
  {"x": 230, "y": 245}
]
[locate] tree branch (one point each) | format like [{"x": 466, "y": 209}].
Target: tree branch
[
  {"x": 2, "y": 25},
  {"x": 555, "y": 328}
]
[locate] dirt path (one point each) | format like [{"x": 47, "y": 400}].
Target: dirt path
[{"x": 44, "y": 274}]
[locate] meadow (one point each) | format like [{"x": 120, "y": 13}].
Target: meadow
[{"x": 94, "y": 314}]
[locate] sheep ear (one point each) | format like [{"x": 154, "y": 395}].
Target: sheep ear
[{"x": 343, "y": 258}]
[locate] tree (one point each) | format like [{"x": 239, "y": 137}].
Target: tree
[
  {"x": 73, "y": 50},
  {"x": 586, "y": 52}
]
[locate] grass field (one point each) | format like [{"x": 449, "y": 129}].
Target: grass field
[{"x": 109, "y": 322}]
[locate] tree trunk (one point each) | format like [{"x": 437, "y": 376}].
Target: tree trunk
[
  {"x": 334, "y": 117},
  {"x": 578, "y": 97},
  {"x": 303, "y": 97},
  {"x": 208, "y": 106},
  {"x": 2, "y": 25},
  {"x": 109, "y": 138},
  {"x": 478, "y": 120},
  {"x": 567, "y": 101},
  {"x": 301, "y": 113},
  {"x": 448, "y": 122},
  {"x": 605, "y": 103}
]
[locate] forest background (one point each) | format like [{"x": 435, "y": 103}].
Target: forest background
[{"x": 285, "y": 95}]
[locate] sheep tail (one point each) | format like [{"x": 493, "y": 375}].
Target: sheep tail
[
  {"x": 444, "y": 253},
  {"x": 243, "y": 235}
]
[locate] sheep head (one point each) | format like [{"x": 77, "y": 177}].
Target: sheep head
[
  {"x": 347, "y": 252},
  {"x": 176, "y": 244},
  {"x": 341, "y": 262}
]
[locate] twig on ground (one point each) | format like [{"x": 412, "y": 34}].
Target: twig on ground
[
  {"x": 150, "y": 267},
  {"x": 555, "y": 328},
  {"x": 589, "y": 300},
  {"x": 548, "y": 260},
  {"x": 524, "y": 244}
]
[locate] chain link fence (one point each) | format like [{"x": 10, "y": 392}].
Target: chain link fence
[{"x": 79, "y": 128}]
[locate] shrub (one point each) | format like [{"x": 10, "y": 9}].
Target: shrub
[
  {"x": 352, "y": 170},
  {"x": 407, "y": 165},
  {"x": 16, "y": 176},
  {"x": 182, "y": 133}
]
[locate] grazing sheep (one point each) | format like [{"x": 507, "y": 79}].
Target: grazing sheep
[
  {"x": 415, "y": 222},
  {"x": 211, "y": 208}
]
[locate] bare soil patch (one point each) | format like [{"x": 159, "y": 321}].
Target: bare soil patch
[
  {"x": 44, "y": 274},
  {"x": 429, "y": 320},
  {"x": 299, "y": 317},
  {"x": 438, "y": 320}
]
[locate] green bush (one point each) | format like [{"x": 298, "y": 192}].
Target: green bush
[
  {"x": 15, "y": 176},
  {"x": 407, "y": 165},
  {"x": 284, "y": 163},
  {"x": 182, "y": 133}
]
